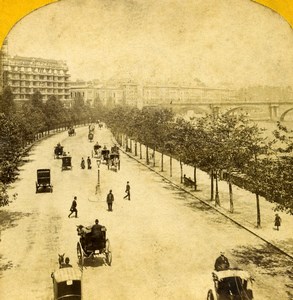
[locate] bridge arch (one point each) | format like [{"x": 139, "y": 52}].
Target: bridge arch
[
  {"x": 282, "y": 117},
  {"x": 231, "y": 111}
]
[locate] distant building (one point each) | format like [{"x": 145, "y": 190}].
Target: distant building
[
  {"x": 26, "y": 75},
  {"x": 157, "y": 94},
  {"x": 105, "y": 92},
  {"x": 147, "y": 94}
]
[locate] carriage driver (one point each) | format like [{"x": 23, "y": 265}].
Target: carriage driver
[
  {"x": 222, "y": 262},
  {"x": 96, "y": 233}
]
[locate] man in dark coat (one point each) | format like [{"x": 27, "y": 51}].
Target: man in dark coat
[
  {"x": 222, "y": 263},
  {"x": 89, "y": 163},
  {"x": 97, "y": 234},
  {"x": 73, "y": 207},
  {"x": 127, "y": 191},
  {"x": 277, "y": 221},
  {"x": 110, "y": 200}
]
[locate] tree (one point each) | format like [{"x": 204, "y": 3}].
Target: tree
[
  {"x": 254, "y": 167},
  {"x": 7, "y": 105},
  {"x": 10, "y": 150},
  {"x": 55, "y": 112},
  {"x": 233, "y": 134},
  {"x": 36, "y": 100},
  {"x": 278, "y": 170}
]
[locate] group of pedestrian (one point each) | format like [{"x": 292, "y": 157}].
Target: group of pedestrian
[
  {"x": 89, "y": 163},
  {"x": 109, "y": 200}
]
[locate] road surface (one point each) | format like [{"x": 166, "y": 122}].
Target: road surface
[{"x": 164, "y": 242}]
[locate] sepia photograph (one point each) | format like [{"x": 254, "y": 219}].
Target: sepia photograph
[{"x": 146, "y": 151}]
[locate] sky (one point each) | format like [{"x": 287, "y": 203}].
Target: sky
[{"x": 221, "y": 43}]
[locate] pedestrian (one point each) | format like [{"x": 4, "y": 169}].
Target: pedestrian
[
  {"x": 278, "y": 221},
  {"x": 73, "y": 207},
  {"x": 82, "y": 164},
  {"x": 110, "y": 200},
  {"x": 89, "y": 163},
  {"x": 222, "y": 262},
  {"x": 127, "y": 191}
]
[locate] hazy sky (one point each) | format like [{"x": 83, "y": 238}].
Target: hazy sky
[{"x": 234, "y": 41}]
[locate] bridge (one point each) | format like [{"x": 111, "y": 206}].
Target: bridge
[{"x": 274, "y": 111}]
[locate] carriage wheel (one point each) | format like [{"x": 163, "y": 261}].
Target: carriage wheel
[
  {"x": 108, "y": 253},
  {"x": 80, "y": 254},
  {"x": 210, "y": 295}
]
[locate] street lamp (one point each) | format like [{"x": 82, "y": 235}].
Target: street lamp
[{"x": 98, "y": 164}]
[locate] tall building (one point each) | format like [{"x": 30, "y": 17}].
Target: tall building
[
  {"x": 26, "y": 75},
  {"x": 3, "y": 61}
]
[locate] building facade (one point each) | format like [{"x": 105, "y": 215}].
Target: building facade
[
  {"x": 156, "y": 94},
  {"x": 106, "y": 92},
  {"x": 26, "y": 75},
  {"x": 147, "y": 94}
]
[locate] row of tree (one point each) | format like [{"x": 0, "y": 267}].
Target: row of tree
[
  {"x": 224, "y": 145},
  {"x": 22, "y": 124},
  {"x": 218, "y": 144}
]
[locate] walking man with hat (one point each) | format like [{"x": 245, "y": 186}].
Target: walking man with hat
[{"x": 110, "y": 200}]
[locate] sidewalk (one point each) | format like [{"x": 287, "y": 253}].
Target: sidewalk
[{"x": 244, "y": 203}]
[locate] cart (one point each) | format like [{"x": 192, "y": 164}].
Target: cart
[
  {"x": 231, "y": 284},
  {"x": 88, "y": 248},
  {"x": 105, "y": 155},
  {"x": 71, "y": 131},
  {"x": 58, "y": 151},
  {"x": 67, "y": 284},
  {"x": 96, "y": 152},
  {"x": 91, "y": 127},
  {"x": 66, "y": 163},
  {"x": 114, "y": 161},
  {"x": 115, "y": 149},
  {"x": 44, "y": 180},
  {"x": 90, "y": 136}
]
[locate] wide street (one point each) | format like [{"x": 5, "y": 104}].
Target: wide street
[{"x": 164, "y": 242}]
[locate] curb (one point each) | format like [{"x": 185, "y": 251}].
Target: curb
[{"x": 209, "y": 205}]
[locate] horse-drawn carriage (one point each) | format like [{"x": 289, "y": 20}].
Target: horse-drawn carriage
[
  {"x": 44, "y": 180},
  {"x": 91, "y": 127},
  {"x": 90, "y": 136},
  {"x": 71, "y": 131},
  {"x": 67, "y": 284},
  {"x": 66, "y": 163},
  {"x": 58, "y": 151},
  {"x": 89, "y": 247},
  {"x": 96, "y": 152},
  {"x": 231, "y": 284},
  {"x": 114, "y": 161},
  {"x": 105, "y": 155},
  {"x": 115, "y": 149}
]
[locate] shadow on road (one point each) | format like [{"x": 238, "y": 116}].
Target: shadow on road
[
  {"x": 94, "y": 262},
  {"x": 266, "y": 257},
  {"x": 7, "y": 218},
  {"x": 268, "y": 261}
]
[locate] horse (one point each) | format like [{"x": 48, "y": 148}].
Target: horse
[
  {"x": 82, "y": 230},
  {"x": 61, "y": 259}
]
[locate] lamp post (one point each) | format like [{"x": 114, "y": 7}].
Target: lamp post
[
  {"x": 98, "y": 163},
  {"x": 98, "y": 183}
]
